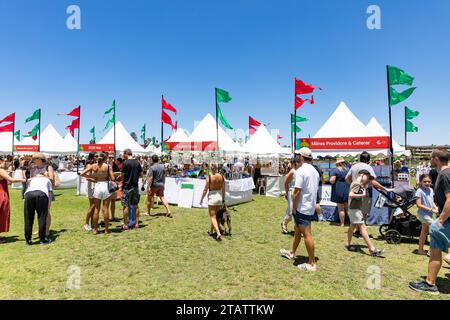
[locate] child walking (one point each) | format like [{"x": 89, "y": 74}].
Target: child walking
[
  {"x": 358, "y": 191},
  {"x": 426, "y": 208}
]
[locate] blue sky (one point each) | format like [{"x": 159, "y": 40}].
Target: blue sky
[{"x": 134, "y": 51}]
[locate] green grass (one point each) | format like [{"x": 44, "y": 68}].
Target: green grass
[{"x": 175, "y": 259}]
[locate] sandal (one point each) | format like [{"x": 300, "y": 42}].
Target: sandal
[
  {"x": 219, "y": 237},
  {"x": 307, "y": 267},
  {"x": 350, "y": 248},
  {"x": 284, "y": 229},
  {"x": 124, "y": 227},
  {"x": 286, "y": 254}
]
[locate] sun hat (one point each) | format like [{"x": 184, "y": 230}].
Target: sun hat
[
  {"x": 340, "y": 160},
  {"x": 305, "y": 152}
]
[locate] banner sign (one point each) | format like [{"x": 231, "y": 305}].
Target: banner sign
[
  {"x": 192, "y": 146},
  {"x": 30, "y": 148},
  {"x": 356, "y": 143},
  {"x": 97, "y": 147}
]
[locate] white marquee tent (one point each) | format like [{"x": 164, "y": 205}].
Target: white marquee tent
[
  {"x": 123, "y": 140},
  {"x": 262, "y": 143},
  {"x": 206, "y": 132},
  {"x": 377, "y": 130}
]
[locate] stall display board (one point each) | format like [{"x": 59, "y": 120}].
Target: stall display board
[{"x": 186, "y": 195}]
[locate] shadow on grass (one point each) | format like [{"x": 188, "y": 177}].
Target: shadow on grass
[
  {"x": 444, "y": 284},
  {"x": 118, "y": 229},
  {"x": 4, "y": 240},
  {"x": 302, "y": 259}
]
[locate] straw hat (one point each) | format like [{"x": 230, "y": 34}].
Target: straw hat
[{"x": 340, "y": 160}]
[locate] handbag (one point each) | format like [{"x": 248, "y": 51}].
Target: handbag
[{"x": 112, "y": 185}]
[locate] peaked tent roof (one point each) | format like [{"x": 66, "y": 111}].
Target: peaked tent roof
[
  {"x": 343, "y": 123},
  {"x": 123, "y": 140},
  {"x": 206, "y": 131},
  {"x": 70, "y": 144},
  {"x": 153, "y": 150},
  {"x": 51, "y": 141},
  {"x": 261, "y": 142},
  {"x": 179, "y": 136},
  {"x": 377, "y": 130}
]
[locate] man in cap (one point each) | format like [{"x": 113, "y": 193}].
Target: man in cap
[
  {"x": 303, "y": 209},
  {"x": 131, "y": 173}
]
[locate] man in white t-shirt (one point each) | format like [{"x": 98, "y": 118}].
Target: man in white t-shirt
[{"x": 303, "y": 209}]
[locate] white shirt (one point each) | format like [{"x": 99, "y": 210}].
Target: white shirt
[
  {"x": 307, "y": 179},
  {"x": 40, "y": 184},
  {"x": 238, "y": 167}
]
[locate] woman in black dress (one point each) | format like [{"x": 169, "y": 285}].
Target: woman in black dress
[{"x": 340, "y": 188}]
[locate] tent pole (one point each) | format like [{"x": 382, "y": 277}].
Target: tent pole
[{"x": 391, "y": 147}]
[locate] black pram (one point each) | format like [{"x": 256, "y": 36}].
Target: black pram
[{"x": 401, "y": 221}]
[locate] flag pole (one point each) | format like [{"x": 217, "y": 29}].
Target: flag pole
[
  {"x": 162, "y": 125},
  {"x": 391, "y": 148},
  {"x": 78, "y": 140},
  {"x": 115, "y": 129},
  {"x": 295, "y": 121},
  {"x": 217, "y": 126},
  {"x": 39, "y": 145},
  {"x": 14, "y": 129},
  {"x": 406, "y": 132}
]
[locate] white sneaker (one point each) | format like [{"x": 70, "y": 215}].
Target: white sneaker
[
  {"x": 307, "y": 267},
  {"x": 87, "y": 227}
]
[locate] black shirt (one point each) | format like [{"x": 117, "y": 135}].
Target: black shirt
[
  {"x": 131, "y": 170},
  {"x": 433, "y": 174},
  {"x": 442, "y": 188}
]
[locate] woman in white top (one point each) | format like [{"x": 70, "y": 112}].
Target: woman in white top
[
  {"x": 100, "y": 173},
  {"x": 92, "y": 158}
]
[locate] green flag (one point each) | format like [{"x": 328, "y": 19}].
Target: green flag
[
  {"x": 113, "y": 108},
  {"x": 398, "y": 97},
  {"x": 33, "y": 132},
  {"x": 222, "y": 119},
  {"x": 143, "y": 133},
  {"x": 92, "y": 131},
  {"x": 222, "y": 95},
  {"x": 111, "y": 121},
  {"x": 17, "y": 135},
  {"x": 398, "y": 76},
  {"x": 295, "y": 128},
  {"x": 411, "y": 114},
  {"x": 34, "y": 116},
  {"x": 298, "y": 118},
  {"x": 410, "y": 127}
]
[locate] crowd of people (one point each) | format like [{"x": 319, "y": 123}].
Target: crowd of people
[{"x": 110, "y": 179}]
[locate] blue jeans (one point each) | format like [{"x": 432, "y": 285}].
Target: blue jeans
[{"x": 440, "y": 236}]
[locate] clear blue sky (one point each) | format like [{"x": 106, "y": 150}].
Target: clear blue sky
[{"x": 134, "y": 51}]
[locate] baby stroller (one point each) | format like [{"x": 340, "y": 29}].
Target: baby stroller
[{"x": 401, "y": 221}]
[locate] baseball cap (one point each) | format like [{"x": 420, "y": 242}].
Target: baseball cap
[{"x": 305, "y": 152}]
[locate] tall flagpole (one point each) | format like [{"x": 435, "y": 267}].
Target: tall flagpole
[
  {"x": 115, "y": 129},
  {"x": 78, "y": 140},
  {"x": 39, "y": 145},
  {"x": 162, "y": 125},
  {"x": 295, "y": 121},
  {"x": 406, "y": 132},
  {"x": 217, "y": 125},
  {"x": 391, "y": 148},
  {"x": 14, "y": 129}
]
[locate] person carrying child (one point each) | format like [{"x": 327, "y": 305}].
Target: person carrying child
[{"x": 358, "y": 191}]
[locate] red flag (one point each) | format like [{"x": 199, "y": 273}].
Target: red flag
[
  {"x": 165, "y": 118},
  {"x": 252, "y": 130},
  {"x": 75, "y": 112},
  {"x": 75, "y": 124},
  {"x": 303, "y": 88},
  {"x": 279, "y": 138},
  {"x": 7, "y": 128},
  {"x": 9, "y": 118},
  {"x": 299, "y": 101},
  {"x": 34, "y": 137},
  {"x": 253, "y": 122},
  {"x": 71, "y": 130},
  {"x": 168, "y": 106}
]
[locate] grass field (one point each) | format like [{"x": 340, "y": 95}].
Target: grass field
[{"x": 175, "y": 259}]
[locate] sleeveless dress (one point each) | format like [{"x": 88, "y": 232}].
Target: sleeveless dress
[
  {"x": 341, "y": 189},
  {"x": 4, "y": 206}
]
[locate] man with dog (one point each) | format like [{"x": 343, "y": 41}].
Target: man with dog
[
  {"x": 303, "y": 209},
  {"x": 440, "y": 229}
]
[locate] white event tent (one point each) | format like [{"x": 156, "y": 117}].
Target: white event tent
[
  {"x": 123, "y": 140},
  {"x": 262, "y": 143},
  {"x": 377, "y": 130}
]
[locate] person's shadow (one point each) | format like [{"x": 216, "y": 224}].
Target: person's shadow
[
  {"x": 298, "y": 260},
  {"x": 54, "y": 234},
  {"x": 11, "y": 239}
]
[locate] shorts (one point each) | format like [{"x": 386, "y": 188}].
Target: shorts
[
  {"x": 215, "y": 198},
  {"x": 356, "y": 216},
  {"x": 101, "y": 191},
  {"x": 302, "y": 220},
  {"x": 90, "y": 190},
  {"x": 440, "y": 235},
  {"x": 427, "y": 219},
  {"x": 130, "y": 197},
  {"x": 157, "y": 191}
]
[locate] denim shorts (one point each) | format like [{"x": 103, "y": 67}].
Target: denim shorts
[
  {"x": 440, "y": 236},
  {"x": 130, "y": 197},
  {"x": 302, "y": 220},
  {"x": 425, "y": 218}
]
